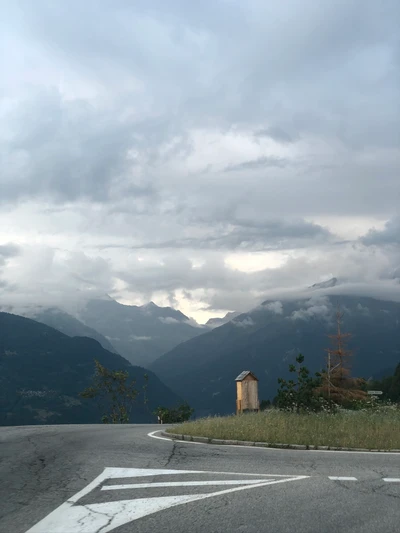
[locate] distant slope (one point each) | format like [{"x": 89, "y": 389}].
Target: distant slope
[
  {"x": 266, "y": 339},
  {"x": 220, "y": 321},
  {"x": 139, "y": 333},
  {"x": 62, "y": 321},
  {"x": 42, "y": 372}
]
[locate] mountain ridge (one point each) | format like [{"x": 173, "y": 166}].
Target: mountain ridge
[
  {"x": 42, "y": 372},
  {"x": 267, "y": 338},
  {"x": 68, "y": 324},
  {"x": 139, "y": 333},
  {"x": 219, "y": 321}
]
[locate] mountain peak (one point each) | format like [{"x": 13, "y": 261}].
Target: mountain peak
[
  {"x": 325, "y": 284},
  {"x": 220, "y": 321},
  {"x": 140, "y": 333},
  {"x": 150, "y": 305}
]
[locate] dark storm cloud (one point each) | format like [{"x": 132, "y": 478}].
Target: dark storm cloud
[
  {"x": 277, "y": 134},
  {"x": 68, "y": 150},
  {"x": 389, "y": 235},
  {"x": 145, "y": 105},
  {"x": 301, "y": 64},
  {"x": 9, "y": 250},
  {"x": 247, "y": 235},
  {"x": 261, "y": 162},
  {"x": 300, "y": 67}
]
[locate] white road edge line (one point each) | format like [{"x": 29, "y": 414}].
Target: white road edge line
[
  {"x": 342, "y": 478},
  {"x": 184, "y": 484},
  {"x": 153, "y": 436},
  {"x": 392, "y": 479}
]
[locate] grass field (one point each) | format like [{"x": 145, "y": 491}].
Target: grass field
[{"x": 350, "y": 429}]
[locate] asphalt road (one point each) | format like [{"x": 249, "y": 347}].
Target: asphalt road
[{"x": 143, "y": 484}]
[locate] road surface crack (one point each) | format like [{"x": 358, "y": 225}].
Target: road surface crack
[
  {"x": 360, "y": 489},
  {"x": 109, "y": 517},
  {"x": 171, "y": 455}
]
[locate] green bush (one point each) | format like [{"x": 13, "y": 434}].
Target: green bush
[{"x": 175, "y": 415}]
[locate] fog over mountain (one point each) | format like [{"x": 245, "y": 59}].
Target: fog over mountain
[
  {"x": 216, "y": 322},
  {"x": 267, "y": 339},
  {"x": 139, "y": 333}
]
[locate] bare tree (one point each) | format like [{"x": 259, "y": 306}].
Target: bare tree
[{"x": 337, "y": 384}]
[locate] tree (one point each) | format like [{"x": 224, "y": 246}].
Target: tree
[
  {"x": 299, "y": 393},
  {"x": 337, "y": 384},
  {"x": 390, "y": 386},
  {"x": 265, "y": 404},
  {"x": 115, "y": 393},
  {"x": 175, "y": 415},
  {"x": 393, "y": 392}
]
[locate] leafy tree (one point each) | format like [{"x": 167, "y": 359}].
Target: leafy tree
[
  {"x": 175, "y": 415},
  {"x": 298, "y": 393},
  {"x": 393, "y": 393},
  {"x": 390, "y": 386},
  {"x": 265, "y": 404},
  {"x": 115, "y": 393}
]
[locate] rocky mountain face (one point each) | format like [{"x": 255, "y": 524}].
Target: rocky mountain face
[
  {"x": 266, "y": 339},
  {"x": 141, "y": 334},
  {"x": 42, "y": 372},
  {"x": 66, "y": 323},
  {"x": 216, "y": 322}
]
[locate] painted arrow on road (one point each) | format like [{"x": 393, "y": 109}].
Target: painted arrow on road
[{"x": 101, "y": 505}]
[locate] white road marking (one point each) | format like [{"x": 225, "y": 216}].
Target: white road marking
[
  {"x": 94, "y": 517},
  {"x": 392, "y": 479},
  {"x": 342, "y": 478},
  {"x": 154, "y": 436},
  {"x": 184, "y": 484}
]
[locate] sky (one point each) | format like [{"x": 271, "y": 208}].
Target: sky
[{"x": 197, "y": 154}]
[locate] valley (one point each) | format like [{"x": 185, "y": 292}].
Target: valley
[{"x": 44, "y": 367}]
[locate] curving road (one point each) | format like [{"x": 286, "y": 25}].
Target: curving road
[{"x": 94, "y": 479}]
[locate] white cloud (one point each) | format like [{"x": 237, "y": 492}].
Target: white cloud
[
  {"x": 363, "y": 309},
  {"x": 168, "y": 320},
  {"x": 275, "y": 307},
  {"x": 171, "y": 164},
  {"x": 319, "y": 307},
  {"x": 192, "y": 322},
  {"x": 244, "y": 322},
  {"x": 139, "y": 338}
]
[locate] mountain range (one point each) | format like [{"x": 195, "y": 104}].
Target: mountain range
[
  {"x": 141, "y": 334},
  {"x": 58, "y": 319},
  {"x": 216, "y": 322},
  {"x": 266, "y": 339},
  {"x": 42, "y": 372}
]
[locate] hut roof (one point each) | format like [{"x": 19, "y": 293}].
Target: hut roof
[{"x": 244, "y": 374}]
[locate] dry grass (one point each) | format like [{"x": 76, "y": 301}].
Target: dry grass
[{"x": 352, "y": 429}]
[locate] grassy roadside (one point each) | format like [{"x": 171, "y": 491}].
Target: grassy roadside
[{"x": 352, "y": 429}]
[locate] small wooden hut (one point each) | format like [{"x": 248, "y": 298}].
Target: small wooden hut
[{"x": 247, "y": 392}]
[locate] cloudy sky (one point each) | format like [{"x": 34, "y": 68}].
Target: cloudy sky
[{"x": 197, "y": 154}]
